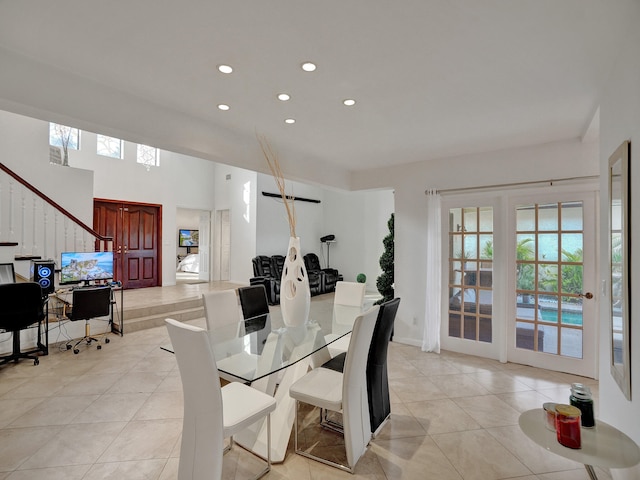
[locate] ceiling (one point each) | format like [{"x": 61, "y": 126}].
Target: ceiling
[{"x": 431, "y": 78}]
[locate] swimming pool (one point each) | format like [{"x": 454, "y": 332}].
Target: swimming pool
[{"x": 569, "y": 317}]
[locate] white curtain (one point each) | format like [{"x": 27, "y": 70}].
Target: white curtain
[{"x": 431, "y": 334}]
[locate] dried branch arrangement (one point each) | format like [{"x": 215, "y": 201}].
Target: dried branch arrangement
[{"x": 274, "y": 166}]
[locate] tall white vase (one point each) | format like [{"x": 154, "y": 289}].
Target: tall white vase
[{"x": 295, "y": 296}]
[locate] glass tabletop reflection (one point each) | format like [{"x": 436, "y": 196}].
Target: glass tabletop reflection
[{"x": 251, "y": 349}]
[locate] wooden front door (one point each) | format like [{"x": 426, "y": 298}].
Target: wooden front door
[{"x": 135, "y": 228}]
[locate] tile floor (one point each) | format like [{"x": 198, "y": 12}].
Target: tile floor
[{"x": 116, "y": 413}]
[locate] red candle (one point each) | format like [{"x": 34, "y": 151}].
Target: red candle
[{"x": 568, "y": 426}]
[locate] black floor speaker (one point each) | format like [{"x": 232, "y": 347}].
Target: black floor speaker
[{"x": 43, "y": 272}]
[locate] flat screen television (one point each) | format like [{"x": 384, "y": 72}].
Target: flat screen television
[
  {"x": 188, "y": 238},
  {"x": 77, "y": 267}
]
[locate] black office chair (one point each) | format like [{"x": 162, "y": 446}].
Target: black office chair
[
  {"x": 88, "y": 303},
  {"x": 22, "y": 305}
]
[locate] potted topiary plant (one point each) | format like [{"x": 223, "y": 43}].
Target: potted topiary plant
[{"x": 385, "y": 280}]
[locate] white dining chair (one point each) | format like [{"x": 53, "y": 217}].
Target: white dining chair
[
  {"x": 211, "y": 413},
  {"x": 348, "y": 302},
  {"x": 221, "y": 308},
  {"x": 344, "y": 392}
]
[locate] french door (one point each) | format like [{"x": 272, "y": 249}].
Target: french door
[
  {"x": 473, "y": 320},
  {"x": 551, "y": 279}
]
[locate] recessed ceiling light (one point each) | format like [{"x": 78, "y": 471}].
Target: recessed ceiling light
[
  {"x": 308, "y": 66},
  {"x": 283, "y": 96},
  {"x": 349, "y": 102},
  {"x": 224, "y": 107},
  {"x": 290, "y": 121},
  {"x": 225, "y": 68}
]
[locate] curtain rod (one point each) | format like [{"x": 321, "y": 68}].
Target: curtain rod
[
  {"x": 290, "y": 197},
  {"x": 549, "y": 183}
]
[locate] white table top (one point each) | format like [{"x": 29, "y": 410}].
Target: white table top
[{"x": 602, "y": 446}]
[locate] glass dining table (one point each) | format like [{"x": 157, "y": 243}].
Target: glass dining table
[{"x": 271, "y": 359}]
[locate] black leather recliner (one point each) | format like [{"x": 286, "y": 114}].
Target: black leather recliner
[
  {"x": 277, "y": 265},
  {"x": 328, "y": 276},
  {"x": 264, "y": 275}
]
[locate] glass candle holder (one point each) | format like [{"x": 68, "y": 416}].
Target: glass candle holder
[
  {"x": 568, "y": 426},
  {"x": 582, "y": 399},
  {"x": 549, "y": 412}
]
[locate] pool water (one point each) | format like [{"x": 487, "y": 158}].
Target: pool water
[{"x": 568, "y": 317}]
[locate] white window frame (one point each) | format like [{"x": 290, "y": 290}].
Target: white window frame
[
  {"x": 98, "y": 143},
  {"x": 147, "y": 164},
  {"x": 57, "y": 141}
]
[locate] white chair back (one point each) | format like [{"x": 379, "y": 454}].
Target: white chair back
[
  {"x": 355, "y": 403},
  {"x": 203, "y": 426},
  {"x": 221, "y": 307},
  {"x": 349, "y": 294}
]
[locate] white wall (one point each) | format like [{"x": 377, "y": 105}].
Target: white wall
[
  {"x": 183, "y": 183},
  {"x": 235, "y": 190},
  {"x": 273, "y": 226},
  {"x": 619, "y": 121},
  {"x": 179, "y": 181},
  {"x": 357, "y": 219},
  {"x": 25, "y": 150}
]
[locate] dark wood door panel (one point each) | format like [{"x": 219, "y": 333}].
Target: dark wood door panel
[
  {"x": 106, "y": 221},
  {"x": 136, "y": 232}
]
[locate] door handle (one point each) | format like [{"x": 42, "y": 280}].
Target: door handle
[{"x": 587, "y": 295}]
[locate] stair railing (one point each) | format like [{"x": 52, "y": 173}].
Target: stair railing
[{"x": 39, "y": 226}]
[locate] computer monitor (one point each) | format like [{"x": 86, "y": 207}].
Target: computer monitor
[
  {"x": 7, "y": 273},
  {"x": 77, "y": 267}
]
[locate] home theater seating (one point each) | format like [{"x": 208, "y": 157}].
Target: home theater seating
[{"x": 267, "y": 271}]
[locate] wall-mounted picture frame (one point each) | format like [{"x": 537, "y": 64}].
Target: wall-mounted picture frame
[{"x": 619, "y": 261}]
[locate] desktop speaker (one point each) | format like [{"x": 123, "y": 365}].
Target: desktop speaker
[{"x": 43, "y": 272}]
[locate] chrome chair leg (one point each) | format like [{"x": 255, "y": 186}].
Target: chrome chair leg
[{"x": 309, "y": 455}]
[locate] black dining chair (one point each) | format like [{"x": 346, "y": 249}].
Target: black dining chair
[
  {"x": 253, "y": 301},
  {"x": 377, "y": 377},
  {"x": 22, "y": 306},
  {"x": 255, "y": 311}
]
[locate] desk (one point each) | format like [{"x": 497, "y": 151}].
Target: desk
[
  {"x": 602, "y": 446},
  {"x": 116, "y": 309},
  {"x": 265, "y": 358}
]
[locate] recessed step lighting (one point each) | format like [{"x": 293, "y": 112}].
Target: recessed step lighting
[
  {"x": 349, "y": 102},
  {"x": 290, "y": 121},
  {"x": 308, "y": 66},
  {"x": 283, "y": 96},
  {"x": 225, "y": 68},
  {"x": 223, "y": 107}
]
